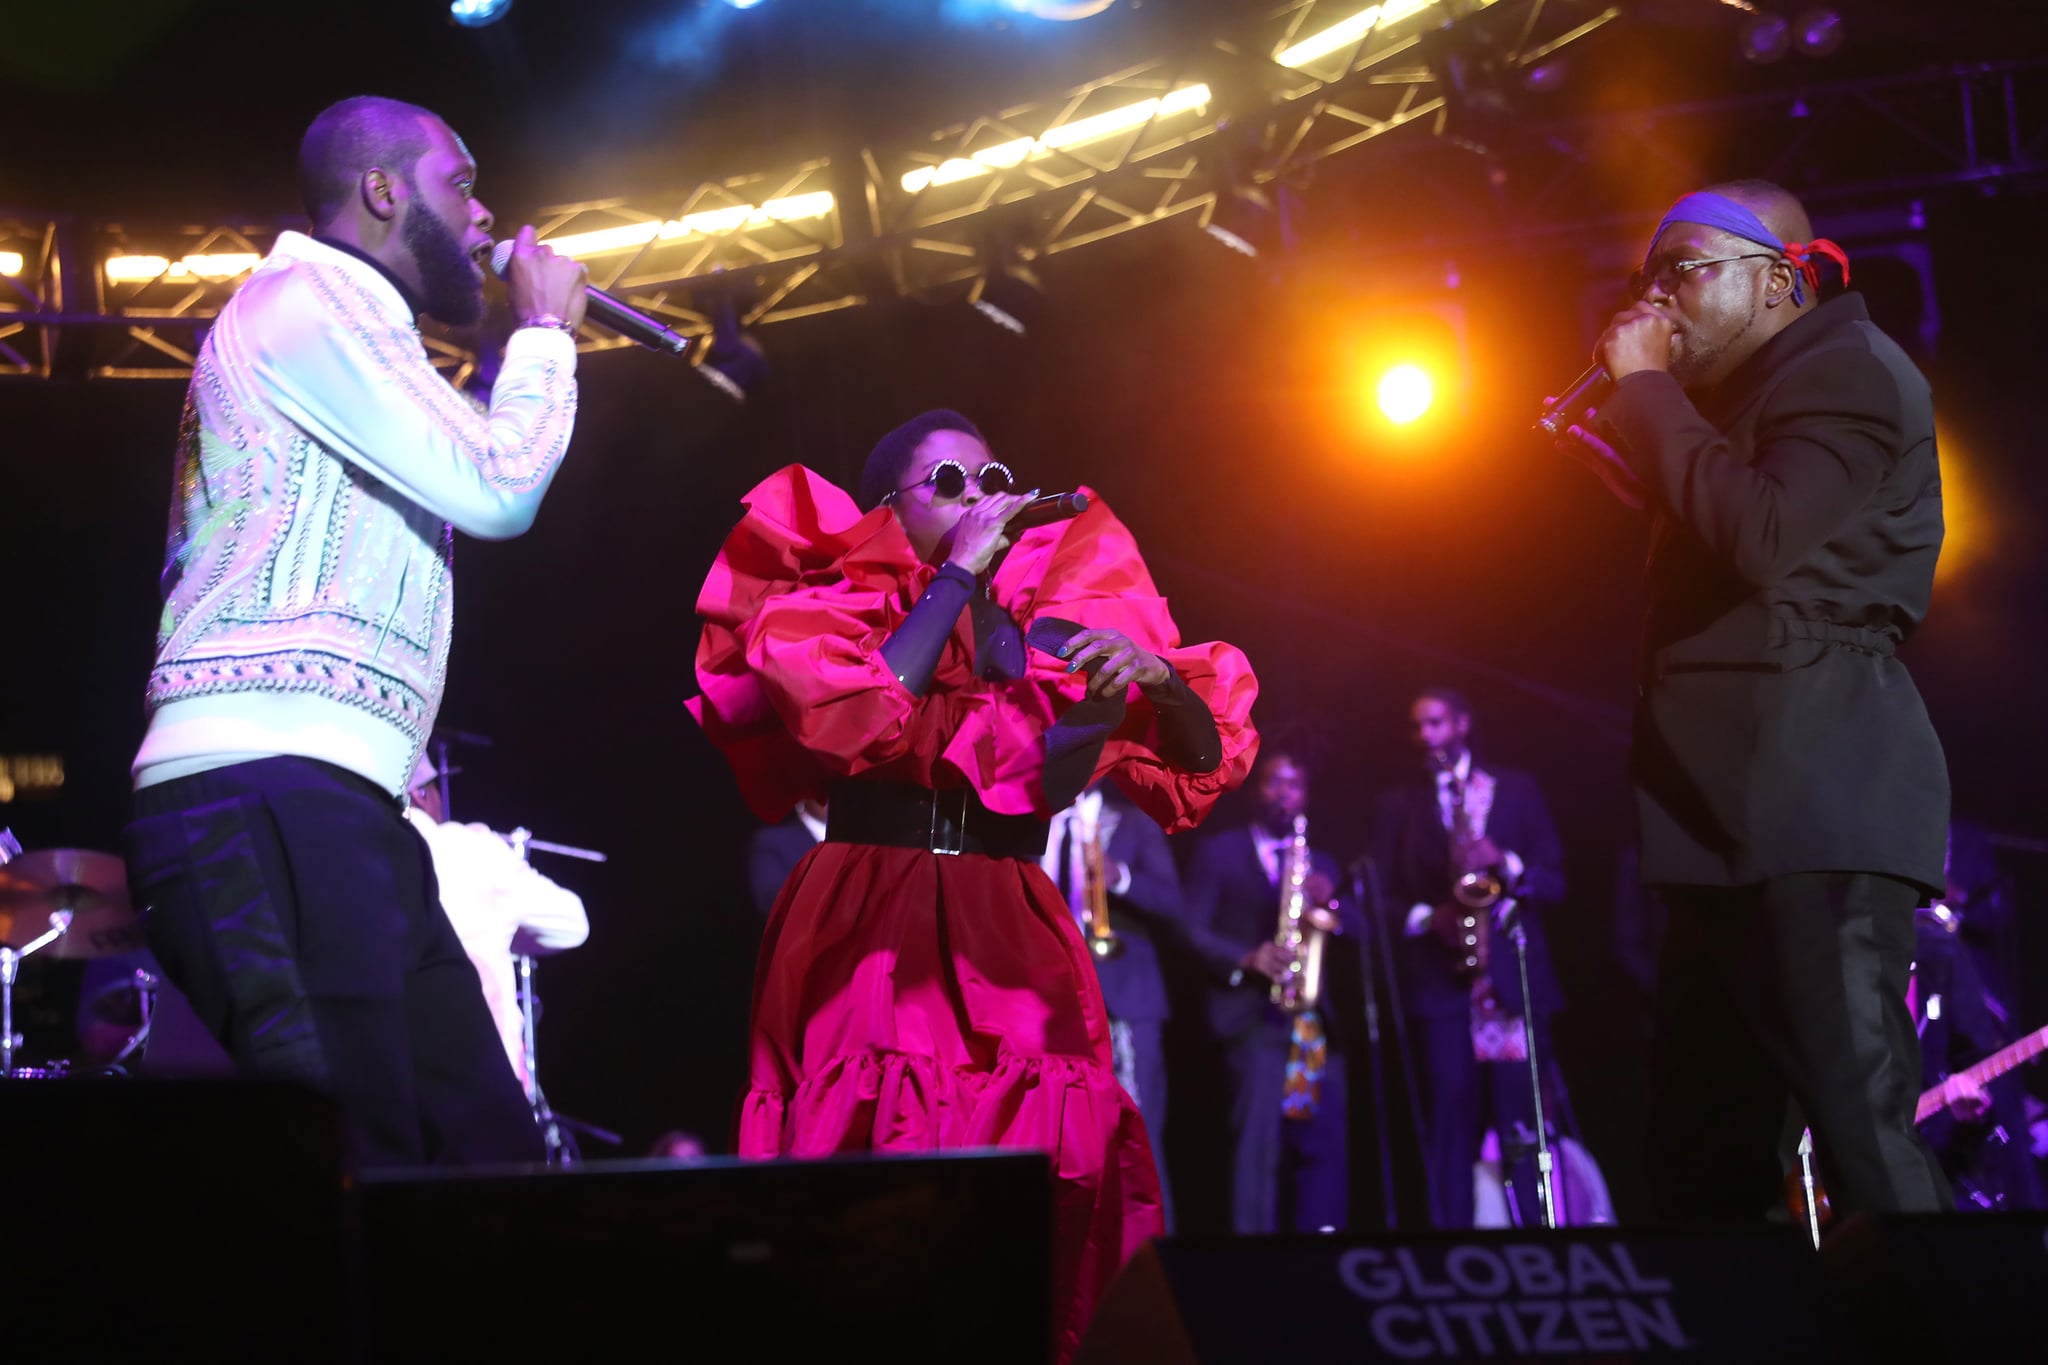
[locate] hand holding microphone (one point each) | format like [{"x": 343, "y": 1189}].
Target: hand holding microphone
[
  {"x": 542, "y": 283},
  {"x": 539, "y": 281}
]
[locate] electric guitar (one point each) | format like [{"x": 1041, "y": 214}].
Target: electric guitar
[
  {"x": 1931, "y": 1103},
  {"x": 1985, "y": 1072}
]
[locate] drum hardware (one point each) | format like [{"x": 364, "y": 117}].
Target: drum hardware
[{"x": 556, "y": 1129}]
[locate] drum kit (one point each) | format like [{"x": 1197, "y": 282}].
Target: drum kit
[{"x": 68, "y": 904}]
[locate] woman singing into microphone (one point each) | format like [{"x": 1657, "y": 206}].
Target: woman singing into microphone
[{"x": 922, "y": 985}]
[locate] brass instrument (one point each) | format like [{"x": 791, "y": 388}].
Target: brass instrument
[
  {"x": 1298, "y": 991},
  {"x": 1476, "y": 890},
  {"x": 1102, "y": 939}
]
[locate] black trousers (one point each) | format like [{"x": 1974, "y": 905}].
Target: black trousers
[
  {"x": 1287, "y": 1174},
  {"x": 1793, "y": 989},
  {"x": 297, "y": 909},
  {"x": 1464, "y": 1093}
]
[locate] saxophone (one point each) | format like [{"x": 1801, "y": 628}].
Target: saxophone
[
  {"x": 1299, "y": 990},
  {"x": 1476, "y": 890},
  {"x": 1102, "y": 939}
]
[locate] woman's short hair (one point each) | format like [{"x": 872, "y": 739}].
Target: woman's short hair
[{"x": 892, "y": 455}]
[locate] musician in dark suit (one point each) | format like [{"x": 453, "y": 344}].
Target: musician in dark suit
[
  {"x": 1503, "y": 829},
  {"x": 1143, "y": 888},
  {"x": 1792, "y": 792},
  {"x": 1287, "y": 1171},
  {"x": 774, "y": 851}
]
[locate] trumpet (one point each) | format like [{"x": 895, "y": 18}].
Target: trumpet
[
  {"x": 1299, "y": 990},
  {"x": 1102, "y": 939}
]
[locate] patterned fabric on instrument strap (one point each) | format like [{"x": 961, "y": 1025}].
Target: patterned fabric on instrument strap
[{"x": 1307, "y": 1055}]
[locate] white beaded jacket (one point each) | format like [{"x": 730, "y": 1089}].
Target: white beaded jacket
[{"x": 322, "y": 466}]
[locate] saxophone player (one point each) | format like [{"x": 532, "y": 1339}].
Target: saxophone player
[
  {"x": 1140, "y": 900},
  {"x": 1289, "y": 1168},
  {"x": 1458, "y": 827}
]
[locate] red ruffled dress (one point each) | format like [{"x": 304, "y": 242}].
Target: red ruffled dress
[{"x": 907, "y": 1001}]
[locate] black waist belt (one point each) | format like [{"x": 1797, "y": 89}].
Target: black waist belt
[
  {"x": 905, "y": 815},
  {"x": 1855, "y": 637}
]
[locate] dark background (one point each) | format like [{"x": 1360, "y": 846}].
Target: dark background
[{"x": 1218, "y": 404}]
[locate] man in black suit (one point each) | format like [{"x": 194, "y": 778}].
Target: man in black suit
[
  {"x": 1460, "y": 998},
  {"x": 1143, "y": 888},
  {"x": 774, "y": 851},
  {"x": 1286, "y": 1170},
  {"x": 1792, "y": 792}
]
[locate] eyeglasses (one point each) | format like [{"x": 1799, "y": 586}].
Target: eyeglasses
[
  {"x": 948, "y": 479},
  {"x": 1670, "y": 275}
]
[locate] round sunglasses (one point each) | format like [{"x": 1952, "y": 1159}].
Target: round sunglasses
[{"x": 948, "y": 479}]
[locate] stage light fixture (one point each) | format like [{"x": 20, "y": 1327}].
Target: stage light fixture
[
  {"x": 710, "y": 223},
  {"x": 218, "y": 267},
  {"x": 1349, "y": 32},
  {"x": 477, "y": 13},
  {"x": 10, "y": 263},
  {"x": 1765, "y": 38},
  {"x": 1094, "y": 128},
  {"x": 743, "y": 4},
  {"x": 1405, "y": 393},
  {"x": 1009, "y": 293},
  {"x": 732, "y": 361},
  {"x": 1818, "y": 32}
]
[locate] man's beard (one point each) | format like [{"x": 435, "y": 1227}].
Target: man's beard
[
  {"x": 449, "y": 288},
  {"x": 1691, "y": 366}
]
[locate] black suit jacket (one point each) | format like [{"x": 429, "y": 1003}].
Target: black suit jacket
[
  {"x": 772, "y": 854},
  {"x": 1148, "y": 913},
  {"x": 1413, "y": 852},
  {"x": 1798, "y": 519},
  {"x": 1231, "y": 909}
]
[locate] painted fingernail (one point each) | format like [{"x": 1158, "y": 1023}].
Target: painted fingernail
[
  {"x": 1065, "y": 650},
  {"x": 1074, "y": 665}
]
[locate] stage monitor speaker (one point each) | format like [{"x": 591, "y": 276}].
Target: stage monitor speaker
[
  {"x": 941, "y": 1258},
  {"x": 1942, "y": 1286},
  {"x": 172, "y": 1221},
  {"x": 1581, "y": 1293}
]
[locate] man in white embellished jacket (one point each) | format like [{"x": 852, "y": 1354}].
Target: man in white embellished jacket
[{"x": 323, "y": 466}]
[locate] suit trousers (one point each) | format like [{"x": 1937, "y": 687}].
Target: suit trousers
[
  {"x": 1464, "y": 1094},
  {"x": 1290, "y": 1174},
  {"x": 1792, "y": 990},
  {"x": 1140, "y": 1056},
  {"x": 297, "y": 909}
]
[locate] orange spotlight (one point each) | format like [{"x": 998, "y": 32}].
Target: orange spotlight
[{"x": 1405, "y": 393}]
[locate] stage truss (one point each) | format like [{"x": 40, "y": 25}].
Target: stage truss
[{"x": 934, "y": 221}]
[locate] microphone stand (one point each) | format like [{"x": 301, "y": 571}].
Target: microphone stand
[
  {"x": 1510, "y": 920},
  {"x": 1401, "y": 1041},
  {"x": 1362, "y": 880}
]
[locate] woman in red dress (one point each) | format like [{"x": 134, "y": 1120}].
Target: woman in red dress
[{"x": 922, "y": 985}]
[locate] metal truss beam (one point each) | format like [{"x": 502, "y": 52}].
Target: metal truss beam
[{"x": 926, "y": 222}]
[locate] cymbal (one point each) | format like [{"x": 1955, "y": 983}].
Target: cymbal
[{"x": 92, "y": 886}]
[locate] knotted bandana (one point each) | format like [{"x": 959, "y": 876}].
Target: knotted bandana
[{"x": 1719, "y": 211}]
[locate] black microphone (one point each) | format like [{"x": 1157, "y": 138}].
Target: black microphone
[
  {"x": 1047, "y": 510},
  {"x": 628, "y": 322},
  {"x": 1586, "y": 390}
]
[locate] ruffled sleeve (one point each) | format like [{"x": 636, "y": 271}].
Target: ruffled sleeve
[
  {"x": 1089, "y": 571},
  {"x": 795, "y": 609}
]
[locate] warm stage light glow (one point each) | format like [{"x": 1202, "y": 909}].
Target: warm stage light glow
[
  {"x": 135, "y": 269},
  {"x": 1346, "y": 32},
  {"x": 1969, "y": 525},
  {"x": 1094, "y": 128},
  {"x": 1405, "y": 393},
  {"x": 710, "y": 223},
  {"x": 10, "y": 262}
]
